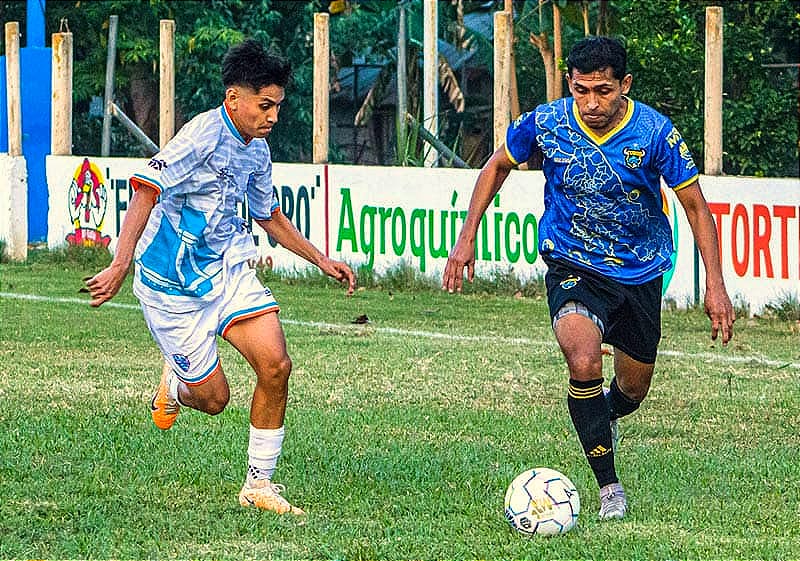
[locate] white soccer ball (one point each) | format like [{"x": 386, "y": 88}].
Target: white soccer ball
[{"x": 543, "y": 502}]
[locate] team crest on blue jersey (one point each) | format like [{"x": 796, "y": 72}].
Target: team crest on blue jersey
[
  {"x": 569, "y": 282},
  {"x": 182, "y": 361},
  {"x": 633, "y": 157}
]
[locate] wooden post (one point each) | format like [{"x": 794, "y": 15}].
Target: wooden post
[
  {"x": 13, "y": 99},
  {"x": 13, "y": 169},
  {"x": 322, "y": 69},
  {"x": 558, "y": 78},
  {"x": 713, "y": 92},
  {"x": 502, "y": 76},
  {"x": 430, "y": 68},
  {"x": 61, "y": 104},
  {"x": 166, "y": 115}
]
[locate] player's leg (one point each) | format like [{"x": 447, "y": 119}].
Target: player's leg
[
  {"x": 192, "y": 375},
  {"x": 261, "y": 341},
  {"x": 249, "y": 324},
  {"x": 635, "y": 333},
  {"x": 630, "y": 384},
  {"x": 580, "y": 340},
  {"x": 634, "y": 329},
  {"x": 578, "y": 305}
]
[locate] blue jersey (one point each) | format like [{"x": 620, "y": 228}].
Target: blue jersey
[
  {"x": 202, "y": 175},
  {"x": 604, "y": 209}
]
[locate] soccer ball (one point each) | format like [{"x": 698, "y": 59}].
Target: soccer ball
[{"x": 542, "y": 501}]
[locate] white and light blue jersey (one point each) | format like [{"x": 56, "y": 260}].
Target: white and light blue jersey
[
  {"x": 604, "y": 209},
  {"x": 201, "y": 175}
]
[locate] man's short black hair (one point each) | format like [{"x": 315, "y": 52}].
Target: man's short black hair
[
  {"x": 248, "y": 64},
  {"x": 596, "y": 53}
]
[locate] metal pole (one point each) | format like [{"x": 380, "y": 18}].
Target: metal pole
[
  {"x": 135, "y": 130},
  {"x": 402, "y": 87},
  {"x": 430, "y": 68},
  {"x": 438, "y": 144},
  {"x": 111, "y": 57}
]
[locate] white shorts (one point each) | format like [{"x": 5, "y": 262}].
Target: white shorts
[{"x": 188, "y": 340}]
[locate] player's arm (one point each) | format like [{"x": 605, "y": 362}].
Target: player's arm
[
  {"x": 489, "y": 182},
  {"x": 284, "y": 232},
  {"x": 105, "y": 284},
  {"x": 717, "y": 303}
]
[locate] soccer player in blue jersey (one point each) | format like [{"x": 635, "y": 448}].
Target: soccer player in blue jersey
[
  {"x": 192, "y": 253},
  {"x": 605, "y": 239}
]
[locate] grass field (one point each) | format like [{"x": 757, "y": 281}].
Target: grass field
[{"x": 402, "y": 434}]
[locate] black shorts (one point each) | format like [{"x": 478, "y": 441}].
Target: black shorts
[{"x": 630, "y": 313}]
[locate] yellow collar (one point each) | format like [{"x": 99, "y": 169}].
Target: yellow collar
[{"x": 601, "y": 139}]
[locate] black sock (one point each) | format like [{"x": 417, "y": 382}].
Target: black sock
[
  {"x": 620, "y": 404},
  {"x": 590, "y": 415}
]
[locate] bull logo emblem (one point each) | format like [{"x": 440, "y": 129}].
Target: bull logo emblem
[{"x": 88, "y": 199}]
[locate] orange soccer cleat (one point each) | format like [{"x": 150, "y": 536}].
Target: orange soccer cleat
[{"x": 163, "y": 408}]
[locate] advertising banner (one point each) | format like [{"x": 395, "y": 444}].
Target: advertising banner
[{"x": 385, "y": 216}]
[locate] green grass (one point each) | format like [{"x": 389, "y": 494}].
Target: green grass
[{"x": 400, "y": 444}]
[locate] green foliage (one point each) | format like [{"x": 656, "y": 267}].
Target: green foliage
[
  {"x": 786, "y": 308},
  {"x": 85, "y": 257},
  {"x": 665, "y": 39}
]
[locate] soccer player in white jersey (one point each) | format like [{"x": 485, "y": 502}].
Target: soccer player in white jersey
[
  {"x": 605, "y": 239},
  {"x": 192, "y": 255}
]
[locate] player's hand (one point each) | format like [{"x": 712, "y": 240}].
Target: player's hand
[
  {"x": 105, "y": 284},
  {"x": 341, "y": 272},
  {"x": 462, "y": 256},
  {"x": 721, "y": 313}
]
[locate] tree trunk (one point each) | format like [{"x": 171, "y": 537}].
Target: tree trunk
[
  {"x": 585, "y": 13},
  {"x": 602, "y": 18},
  {"x": 508, "y": 6},
  {"x": 541, "y": 42},
  {"x": 144, "y": 99}
]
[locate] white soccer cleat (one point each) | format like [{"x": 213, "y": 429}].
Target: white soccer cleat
[
  {"x": 266, "y": 495},
  {"x": 613, "y": 503}
]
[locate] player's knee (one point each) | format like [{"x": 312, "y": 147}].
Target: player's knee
[
  {"x": 584, "y": 366},
  {"x": 635, "y": 391},
  {"x": 216, "y": 403},
  {"x": 276, "y": 371}
]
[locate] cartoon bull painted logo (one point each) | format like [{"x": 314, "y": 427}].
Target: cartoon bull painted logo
[{"x": 88, "y": 199}]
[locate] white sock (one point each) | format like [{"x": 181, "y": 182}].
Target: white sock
[
  {"x": 173, "y": 383},
  {"x": 263, "y": 452}
]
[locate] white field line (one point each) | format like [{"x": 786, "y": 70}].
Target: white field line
[{"x": 523, "y": 341}]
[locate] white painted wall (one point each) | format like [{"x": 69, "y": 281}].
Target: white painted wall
[
  {"x": 388, "y": 215},
  {"x": 14, "y": 206}
]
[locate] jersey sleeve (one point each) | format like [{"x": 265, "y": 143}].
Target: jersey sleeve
[
  {"x": 177, "y": 160},
  {"x": 674, "y": 160},
  {"x": 521, "y": 138},
  {"x": 261, "y": 198}
]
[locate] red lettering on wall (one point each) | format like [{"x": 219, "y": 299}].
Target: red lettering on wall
[
  {"x": 784, "y": 213},
  {"x": 718, "y": 210},
  {"x": 740, "y": 215},
  {"x": 761, "y": 238}
]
